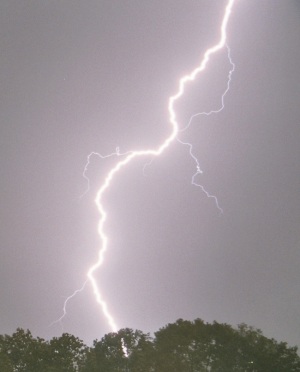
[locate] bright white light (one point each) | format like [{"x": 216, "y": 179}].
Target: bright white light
[
  {"x": 129, "y": 156},
  {"x": 207, "y": 113},
  {"x": 151, "y": 152}
]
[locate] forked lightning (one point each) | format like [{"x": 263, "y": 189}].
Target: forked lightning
[{"x": 131, "y": 155}]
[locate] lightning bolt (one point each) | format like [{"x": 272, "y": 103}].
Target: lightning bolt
[
  {"x": 59, "y": 320},
  {"x": 127, "y": 157},
  {"x": 208, "y": 113},
  {"x": 116, "y": 153},
  {"x": 216, "y": 111}
]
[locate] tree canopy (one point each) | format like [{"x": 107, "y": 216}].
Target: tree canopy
[{"x": 183, "y": 346}]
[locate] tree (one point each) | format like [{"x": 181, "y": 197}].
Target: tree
[
  {"x": 126, "y": 350},
  {"x": 174, "y": 347},
  {"x": 265, "y": 354},
  {"x": 5, "y": 364},
  {"x": 183, "y": 346},
  {"x": 66, "y": 353},
  {"x": 23, "y": 351},
  {"x": 142, "y": 356},
  {"x": 195, "y": 347}
]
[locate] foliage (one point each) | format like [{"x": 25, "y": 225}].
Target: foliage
[
  {"x": 126, "y": 350},
  {"x": 183, "y": 346},
  {"x": 196, "y": 346},
  {"x": 22, "y": 352}
]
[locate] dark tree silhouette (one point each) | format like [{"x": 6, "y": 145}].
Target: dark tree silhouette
[
  {"x": 183, "y": 346},
  {"x": 196, "y": 346}
]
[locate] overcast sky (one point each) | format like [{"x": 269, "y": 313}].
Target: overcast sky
[{"x": 81, "y": 76}]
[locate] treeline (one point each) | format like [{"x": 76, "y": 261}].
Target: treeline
[{"x": 183, "y": 346}]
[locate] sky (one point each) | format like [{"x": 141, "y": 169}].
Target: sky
[{"x": 77, "y": 77}]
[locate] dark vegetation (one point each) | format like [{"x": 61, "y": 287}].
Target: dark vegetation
[{"x": 183, "y": 346}]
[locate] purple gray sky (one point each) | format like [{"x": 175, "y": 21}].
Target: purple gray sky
[{"x": 90, "y": 76}]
